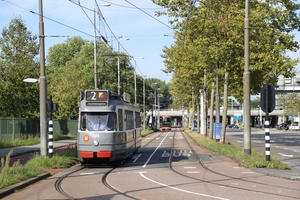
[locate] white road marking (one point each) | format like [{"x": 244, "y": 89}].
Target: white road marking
[
  {"x": 247, "y": 172},
  {"x": 285, "y": 155},
  {"x": 189, "y": 167},
  {"x": 174, "y": 188},
  {"x": 136, "y": 157},
  {"x": 155, "y": 151},
  {"x": 165, "y": 154},
  {"x": 86, "y": 173},
  {"x": 193, "y": 172}
]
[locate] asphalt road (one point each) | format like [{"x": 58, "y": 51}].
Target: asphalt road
[{"x": 285, "y": 144}]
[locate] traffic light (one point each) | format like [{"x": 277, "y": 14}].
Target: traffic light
[
  {"x": 267, "y": 98},
  {"x": 52, "y": 107}
]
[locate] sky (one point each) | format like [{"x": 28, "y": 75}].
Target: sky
[
  {"x": 125, "y": 19},
  {"x": 133, "y": 19}
]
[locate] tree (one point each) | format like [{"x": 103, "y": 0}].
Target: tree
[
  {"x": 210, "y": 37},
  {"x": 18, "y": 61},
  {"x": 290, "y": 104},
  {"x": 75, "y": 72}
]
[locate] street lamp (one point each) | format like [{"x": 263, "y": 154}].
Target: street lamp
[
  {"x": 246, "y": 84},
  {"x": 43, "y": 88},
  {"x": 144, "y": 115}
]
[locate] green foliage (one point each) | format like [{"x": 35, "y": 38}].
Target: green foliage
[
  {"x": 210, "y": 34},
  {"x": 57, "y": 161},
  {"x": 290, "y": 104},
  {"x": 24, "y": 140},
  {"x": 35, "y": 166},
  {"x": 18, "y": 51},
  {"x": 71, "y": 70}
]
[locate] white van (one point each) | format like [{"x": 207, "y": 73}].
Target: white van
[{"x": 294, "y": 126}]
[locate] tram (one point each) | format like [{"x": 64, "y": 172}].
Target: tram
[
  {"x": 109, "y": 127},
  {"x": 166, "y": 123}
]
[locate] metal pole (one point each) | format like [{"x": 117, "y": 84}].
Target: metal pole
[
  {"x": 144, "y": 116},
  {"x": 135, "y": 82},
  {"x": 217, "y": 94},
  {"x": 211, "y": 115},
  {"x": 246, "y": 83},
  {"x": 158, "y": 117},
  {"x": 202, "y": 112},
  {"x": 155, "y": 107},
  {"x": 119, "y": 68},
  {"x": 95, "y": 52},
  {"x": 205, "y": 105},
  {"x": 43, "y": 88}
]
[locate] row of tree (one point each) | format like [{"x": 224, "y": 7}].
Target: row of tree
[
  {"x": 209, "y": 41},
  {"x": 69, "y": 71}
]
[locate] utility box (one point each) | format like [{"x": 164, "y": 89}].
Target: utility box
[{"x": 217, "y": 131}]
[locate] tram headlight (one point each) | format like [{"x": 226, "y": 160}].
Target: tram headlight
[{"x": 96, "y": 143}]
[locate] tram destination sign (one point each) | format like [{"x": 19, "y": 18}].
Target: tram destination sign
[{"x": 96, "y": 96}]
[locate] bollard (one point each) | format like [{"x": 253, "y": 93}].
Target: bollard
[
  {"x": 267, "y": 140},
  {"x": 50, "y": 143}
]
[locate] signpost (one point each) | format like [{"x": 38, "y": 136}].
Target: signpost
[{"x": 267, "y": 104}]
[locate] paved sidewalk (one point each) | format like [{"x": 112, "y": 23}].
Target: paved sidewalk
[{"x": 35, "y": 148}]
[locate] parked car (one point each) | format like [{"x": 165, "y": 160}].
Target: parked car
[
  {"x": 294, "y": 126},
  {"x": 232, "y": 126}
]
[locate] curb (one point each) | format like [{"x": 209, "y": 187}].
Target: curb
[{"x": 13, "y": 188}]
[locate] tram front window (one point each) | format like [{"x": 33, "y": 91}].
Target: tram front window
[{"x": 97, "y": 121}]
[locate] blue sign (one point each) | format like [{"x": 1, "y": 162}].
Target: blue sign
[
  {"x": 217, "y": 131},
  {"x": 237, "y": 116},
  {"x": 291, "y": 117}
]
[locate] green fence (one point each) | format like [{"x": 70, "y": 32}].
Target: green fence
[{"x": 11, "y": 128}]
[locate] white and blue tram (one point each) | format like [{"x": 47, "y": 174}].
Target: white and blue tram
[{"x": 120, "y": 134}]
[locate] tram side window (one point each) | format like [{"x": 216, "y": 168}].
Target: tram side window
[
  {"x": 83, "y": 123},
  {"x": 120, "y": 119},
  {"x": 129, "y": 120},
  {"x": 112, "y": 122},
  {"x": 138, "y": 119}
]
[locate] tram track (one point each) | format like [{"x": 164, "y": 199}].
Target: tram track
[
  {"x": 228, "y": 177},
  {"x": 59, "y": 181}
]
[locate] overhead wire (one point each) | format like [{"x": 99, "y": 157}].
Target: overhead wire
[
  {"x": 33, "y": 12},
  {"x": 90, "y": 35}
]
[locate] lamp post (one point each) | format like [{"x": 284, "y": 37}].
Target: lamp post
[
  {"x": 43, "y": 89},
  {"x": 246, "y": 85},
  {"x": 144, "y": 115}
]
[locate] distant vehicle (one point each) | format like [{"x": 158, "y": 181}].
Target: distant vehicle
[
  {"x": 294, "y": 126},
  {"x": 232, "y": 126},
  {"x": 283, "y": 126},
  {"x": 165, "y": 123}
]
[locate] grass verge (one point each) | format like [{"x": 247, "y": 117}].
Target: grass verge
[
  {"x": 27, "y": 140},
  {"x": 35, "y": 166},
  {"x": 255, "y": 160}
]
